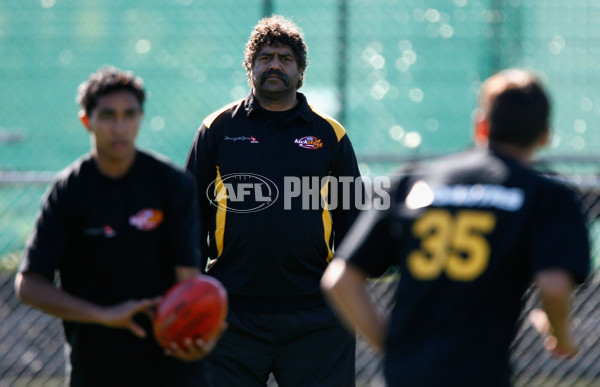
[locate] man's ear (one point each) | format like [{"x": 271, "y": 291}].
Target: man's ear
[
  {"x": 85, "y": 120},
  {"x": 544, "y": 138},
  {"x": 482, "y": 130}
]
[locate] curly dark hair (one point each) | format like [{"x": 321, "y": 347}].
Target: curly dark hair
[
  {"x": 107, "y": 80},
  {"x": 272, "y": 30}
]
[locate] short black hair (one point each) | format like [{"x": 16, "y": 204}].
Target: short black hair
[
  {"x": 275, "y": 30},
  {"x": 105, "y": 80},
  {"x": 516, "y": 107}
]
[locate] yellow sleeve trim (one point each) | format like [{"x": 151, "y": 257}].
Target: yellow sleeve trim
[
  {"x": 221, "y": 213},
  {"x": 210, "y": 119},
  {"x": 327, "y": 222},
  {"x": 337, "y": 127}
]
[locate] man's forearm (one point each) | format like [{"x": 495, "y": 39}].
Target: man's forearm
[
  {"x": 556, "y": 288},
  {"x": 39, "y": 292},
  {"x": 344, "y": 286}
]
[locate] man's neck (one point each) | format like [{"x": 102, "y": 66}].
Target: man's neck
[
  {"x": 276, "y": 103},
  {"x": 113, "y": 168},
  {"x": 523, "y": 155}
]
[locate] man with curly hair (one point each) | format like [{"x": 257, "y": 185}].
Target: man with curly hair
[
  {"x": 252, "y": 159},
  {"x": 117, "y": 229}
]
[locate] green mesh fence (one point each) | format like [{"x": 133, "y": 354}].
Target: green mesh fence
[{"x": 401, "y": 76}]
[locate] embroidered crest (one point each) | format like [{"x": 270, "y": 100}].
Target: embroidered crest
[
  {"x": 147, "y": 219},
  {"x": 309, "y": 142}
]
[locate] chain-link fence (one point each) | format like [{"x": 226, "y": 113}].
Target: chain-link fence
[
  {"x": 401, "y": 76},
  {"x": 31, "y": 342}
]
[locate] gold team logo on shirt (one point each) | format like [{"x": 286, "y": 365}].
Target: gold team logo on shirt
[
  {"x": 309, "y": 142},
  {"x": 147, "y": 219}
]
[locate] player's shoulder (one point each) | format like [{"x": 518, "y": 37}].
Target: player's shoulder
[
  {"x": 74, "y": 172},
  {"x": 224, "y": 113},
  {"x": 69, "y": 183},
  {"x": 330, "y": 122},
  {"x": 165, "y": 168},
  {"x": 154, "y": 157},
  {"x": 557, "y": 186},
  {"x": 474, "y": 158},
  {"x": 402, "y": 180}
]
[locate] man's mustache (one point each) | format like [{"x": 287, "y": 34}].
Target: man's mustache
[{"x": 277, "y": 73}]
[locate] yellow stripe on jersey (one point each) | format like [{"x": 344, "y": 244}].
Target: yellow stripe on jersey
[
  {"x": 327, "y": 221},
  {"x": 209, "y": 120},
  {"x": 221, "y": 212},
  {"x": 337, "y": 127}
]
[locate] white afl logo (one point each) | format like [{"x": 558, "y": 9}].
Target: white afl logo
[{"x": 242, "y": 192}]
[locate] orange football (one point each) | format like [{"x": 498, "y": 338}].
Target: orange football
[{"x": 194, "y": 308}]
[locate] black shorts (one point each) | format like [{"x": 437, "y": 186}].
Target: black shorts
[
  {"x": 116, "y": 357},
  {"x": 302, "y": 348},
  {"x": 168, "y": 373}
]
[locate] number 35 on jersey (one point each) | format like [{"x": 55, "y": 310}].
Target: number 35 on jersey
[{"x": 454, "y": 244}]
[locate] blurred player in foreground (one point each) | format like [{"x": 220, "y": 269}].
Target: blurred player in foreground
[
  {"x": 118, "y": 227},
  {"x": 468, "y": 233}
]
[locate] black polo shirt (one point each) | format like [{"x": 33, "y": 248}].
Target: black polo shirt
[
  {"x": 266, "y": 242},
  {"x": 111, "y": 240}
]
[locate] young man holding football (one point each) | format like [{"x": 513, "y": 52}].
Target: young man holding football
[{"x": 117, "y": 229}]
